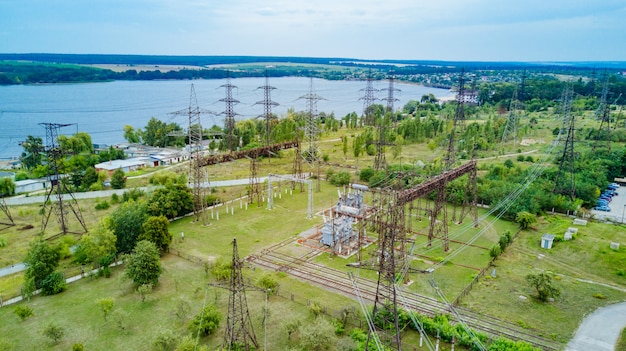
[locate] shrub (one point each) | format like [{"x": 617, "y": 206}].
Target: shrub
[
  {"x": 102, "y": 205},
  {"x": 340, "y": 179},
  {"x": 206, "y": 322},
  {"x": 78, "y": 347},
  {"x": 366, "y": 174},
  {"x": 115, "y": 198},
  {"x": 53, "y": 284},
  {"x": 23, "y": 312},
  {"x": 54, "y": 332},
  {"x": 268, "y": 282},
  {"x": 3, "y": 242}
]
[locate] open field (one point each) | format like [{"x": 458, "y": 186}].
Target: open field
[{"x": 586, "y": 270}]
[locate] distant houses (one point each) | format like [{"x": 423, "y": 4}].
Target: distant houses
[{"x": 141, "y": 157}]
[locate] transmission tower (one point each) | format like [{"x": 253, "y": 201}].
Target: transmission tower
[
  {"x": 390, "y": 219},
  {"x": 229, "y": 113},
  {"x": 390, "y": 99},
  {"x": 267, "y": 108},
  {"x": 368, "y": 99},
  {"x": 198, "y": 178},
  {"x": 512, "y": 121},
  {"x": 438, "y": 226},
  {"x": 380, "y": 161},
  {"x": 566, "y": 163},
  {"x": 5, "y": 209},
  {"x": 603, "y": 113},
  {"x": 65, "y": 201},
  {"x": 312, "y": 153},
  {"x": 239, "y": 332}
]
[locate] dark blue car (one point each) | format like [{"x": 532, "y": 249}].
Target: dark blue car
[{"x": 602, "y": 208}]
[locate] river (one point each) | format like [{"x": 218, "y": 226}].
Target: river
[{"x": 102, "y": 109}]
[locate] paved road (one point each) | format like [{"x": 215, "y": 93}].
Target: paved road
[
  {"x": 600, "y": 330},
  {"x": 14, "y": 268}
]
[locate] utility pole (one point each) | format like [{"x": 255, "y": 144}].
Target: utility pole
[{"x": 390, "y": 99}]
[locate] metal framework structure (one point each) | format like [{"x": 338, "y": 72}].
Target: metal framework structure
[
  {"x": 270, "y": 198},
  {"x": 510, "y": 129},
  {"x": 65, "y": 201},
  {"x": 380, "y": 161},
  {"x": 390, "y": 222},
  {"x": 267, "y": 107},
  {"x": 197, "y": 176},
  {"x": 390, "y": 99},
  {"x": 566, "y": 163},
  {"x": 5, "y": 209},
  {"x": 368, "y": 99},
  {"x": 229, "y": 113},
  {"x": 603, "y": 113},
  {"x": 239, "y": 333},
  {"x": 312, "y": 154}
]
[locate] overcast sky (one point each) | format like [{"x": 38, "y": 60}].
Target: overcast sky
[{"x": 478, "y": 30}]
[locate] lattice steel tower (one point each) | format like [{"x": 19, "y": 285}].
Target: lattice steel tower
[
  {"x": 510, "y": 129},
  {"x": 239, "y": 332},
  {"x": 65, "y": 201},
  {"x": 368, "y": 99},
  {"x": 198, "y": 178},
  {"x": 603, "y": 113},
  {"x": 267, "y": 108},
  {"x": 390, "y": 221},
  {"x": 229, "y": 113},
  {"x": 566, "y": 163},
  {"x": 311, "y": 153},
  {"x": 390, "y": 99},
  {"x": 5, "y": 209}
]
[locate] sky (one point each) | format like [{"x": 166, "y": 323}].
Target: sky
[{"x": 451, "y": 30}]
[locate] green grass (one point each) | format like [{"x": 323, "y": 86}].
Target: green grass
[
  {"x": 572, "y": 260},
  {"x": 621, "y": 342}
]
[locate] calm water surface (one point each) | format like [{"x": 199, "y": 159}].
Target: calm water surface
[{"x": 102, "y": 109}]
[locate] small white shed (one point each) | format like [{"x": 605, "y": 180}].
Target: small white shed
[{"x": 546, "y": 241}]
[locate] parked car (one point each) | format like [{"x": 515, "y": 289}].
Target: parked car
[
  {"x": 602, "y": 208},
  {"x": 605, "y": 197},
  {"x": 613, "y": 186},
  {"x": 602, "y": 203}
]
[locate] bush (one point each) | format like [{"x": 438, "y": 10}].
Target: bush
[
  {"x": 366, "y": 174},
  {"x": 23, "y": 312},
  {"x": 206, "y": 322},
  {"x": 340, "y": 179},
  {"x": 495, "y": 251},
  {"x": 115, "y": 198},
  {"x": 3, "y": 242},
  {"x": 78, "y": 347},
  {"x": 102, "y": 205},
  {"x": 53, "y": 284},
  {"x": 268, "y": 282},
  {"x": 54, "y": 332}
]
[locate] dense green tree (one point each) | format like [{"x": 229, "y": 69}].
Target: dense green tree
[
  {"x": 97, "y": 244},
  {"x": 33, "y": 152},
  {"x": 118, "y": 180},
  {"x": 76, "y": 144},
  {"x": 53, "y": 284},
  {"x": 525, "y": 219},
  {"x": 317, "y": 335},
  {"x": 156, "y": 230},
  {"x": 159, "y": 133},
  {"x": 127, "y": 224},
  {"x": 89, "y": 177},
  {"x": 143, "y": 265},
  {"x": 172, "y": 200},
  {"x": 542, "y": 283},
  {"x": 41, "y": 260},
  {"x": 131, "y": 135}
]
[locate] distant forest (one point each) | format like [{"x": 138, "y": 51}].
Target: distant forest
[{"x": 496, "y": 79}]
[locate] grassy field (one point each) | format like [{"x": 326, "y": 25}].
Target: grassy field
[{"x": 585, "y": 270}]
